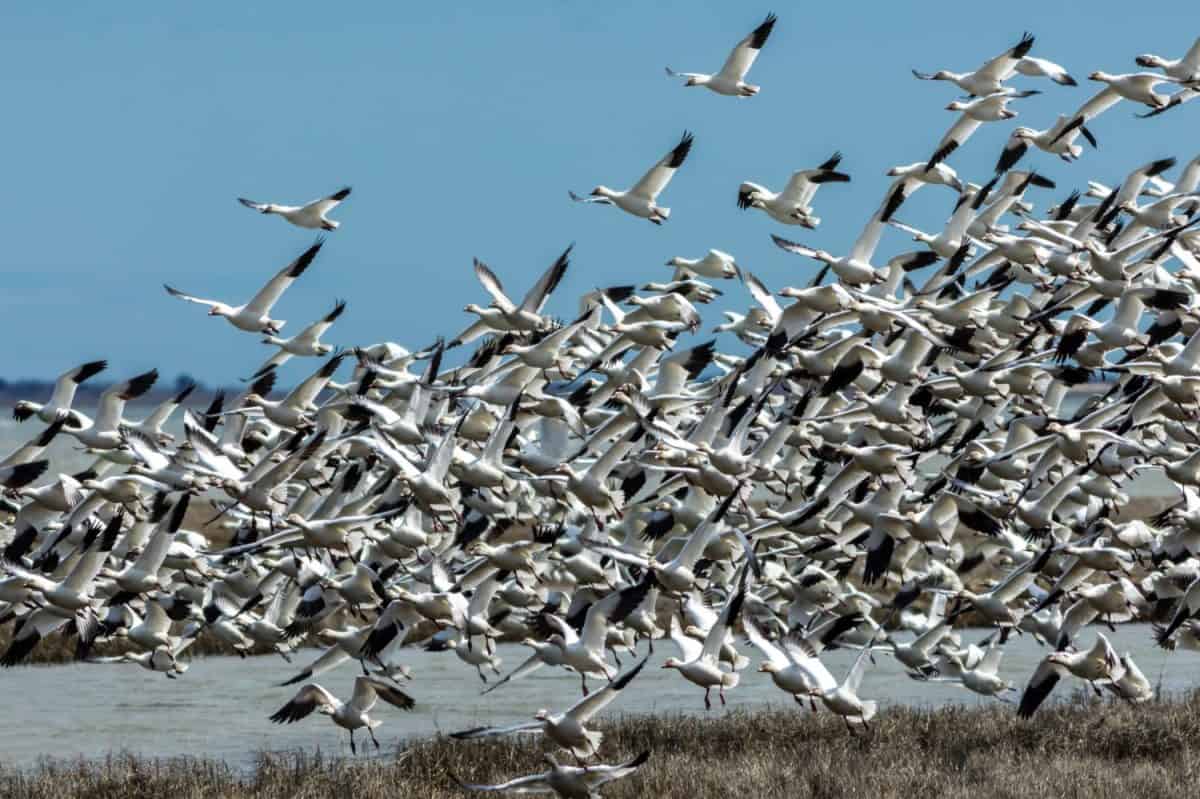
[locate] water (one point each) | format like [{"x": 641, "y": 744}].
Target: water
[{"x": 219, "y": 708}]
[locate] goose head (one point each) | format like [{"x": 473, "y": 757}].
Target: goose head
[{"x": 603, "y": 191}]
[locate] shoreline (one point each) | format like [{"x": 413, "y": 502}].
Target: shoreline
[{"x": 1081, "y": 747}]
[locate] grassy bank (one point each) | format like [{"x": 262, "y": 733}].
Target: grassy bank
[{"x": 1076, "y": 750}]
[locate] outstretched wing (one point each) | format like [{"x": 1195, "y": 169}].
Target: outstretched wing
[
  {"x": 269, "y": 294},
  {"x": 746, "y": 51},
  {"x": 654, "y": 181},
  {"x": 306, "y": 700},
  {"x": 174, "y": 292},
  {"x": 327, "y": 204},
  {"x": 537, "y": 296}
]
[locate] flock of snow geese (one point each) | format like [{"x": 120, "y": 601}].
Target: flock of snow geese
[{"x": 891, "y": 459}]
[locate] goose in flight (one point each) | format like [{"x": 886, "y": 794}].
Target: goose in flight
[
  {"x": 990, "y": 77},
  {"x": 854, "y": 269},
  {"x": 731, "y": 80},
  {"x": 350, "y": 715},
  {"x": 1186, "y": 68},
  {"x": 311, "y": 215},
  {"x": 62, "y": 397},
  {"x": 568, "y": 782},
  {"x": 793, "y": 205},
  {"x": 1041, "y": 68},
  {"x": 504, "y": 315},
  {"x": 1138, "y": 87},
  {"x": 569, "y": 728},
  {"x": 1098, "y": 665},
  {"x": 700, "y": 663},
  {"x": 104, "y": 432},
  {"x": 306, "y": 343},
  {"x": 642, "y": 199},
  {"x": 255, "y": 316},
  {"x": 990, "y": 108}
]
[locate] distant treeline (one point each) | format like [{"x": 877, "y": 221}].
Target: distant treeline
[{"x": 89, "y": 392}]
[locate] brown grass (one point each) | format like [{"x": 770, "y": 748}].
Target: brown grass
[{"x": 1078, "y": 750}]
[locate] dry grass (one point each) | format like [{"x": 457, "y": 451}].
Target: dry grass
[{"x": 1080, "y": 750}]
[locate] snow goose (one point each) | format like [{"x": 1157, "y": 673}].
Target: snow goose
[
  {"x": 305, "y": 343},
  {"x": 104, "y": 432},
  {"x": 989, "y": 108},
  {"x": 731, "y": 80},
  {"x": 1132, "y": 685},
  {"x": 642, "y": 199},
  {"x": 296, "y": 409},
  {"x": 503, "y": 314},
  {"x": 676, "y": 575},
  {"x": 1098, "y": 665},
  {"x": 791, "y": 670},
  {"x": 28, "y": 454},
  {"x": 1041, "y": 68},
  {"x": 152, "y": 425},
  {"x": 568, "y": 782},
  {"x": 569, "y": 728},
  {"x": 254, "y": 316},
  {"x": 700, "y": 663},
  {"x": 990, "y": 77},
  {"x": 1138, "y": 87},
  {"x": 843, "y": 699},
  {"x": 949, "y": 242},
  {"x": 715, "y": 264},
  {"x": 793, "y": 205},
  {"x": 311, "y": 215},
  {"x": 854, "y": 269},
  {"x": 352, "y": 715},
  {"x": 143, "y": 574},
  {"x": 62, "y": 397},
  {"x": 1186, "y": 68}
]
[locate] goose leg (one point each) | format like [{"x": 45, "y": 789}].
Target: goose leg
[
  {"x": 374, "y": 740},
  {"x": 707, "y": 702},
  {"x": 353, "y": 749}
]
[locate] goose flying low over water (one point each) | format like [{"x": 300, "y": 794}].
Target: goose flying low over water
[
  {"x": 311, "y": 215},
  {"x": 642, "y": 199},
  {"x": 254, "y": 316},
  {"x": 731, "y": 80},
  {"x": 352, "y": 715}
]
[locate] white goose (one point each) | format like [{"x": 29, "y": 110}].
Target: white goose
[
  {"x": 62, "y": 397},
  {"x": 731, "y": 80},
  {"x": 793, "y": 205},
  {"x": 567, "y": 729},
  {"x": 990, "y": 77},
  {"x": 642, "y": 199},
  {"x": 254, "y": 316},
  {"x": 311, "y": 215},
  {"x": 306, "y": 343},
  {"x": 352, "y": 715},
  {"x": 1186, "y": 68}
]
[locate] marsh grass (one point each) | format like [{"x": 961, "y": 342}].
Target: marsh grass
[{"x": 1082, "y": 749}]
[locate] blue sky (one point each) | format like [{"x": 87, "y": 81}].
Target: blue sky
[{"x": 131, "y": 128}]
